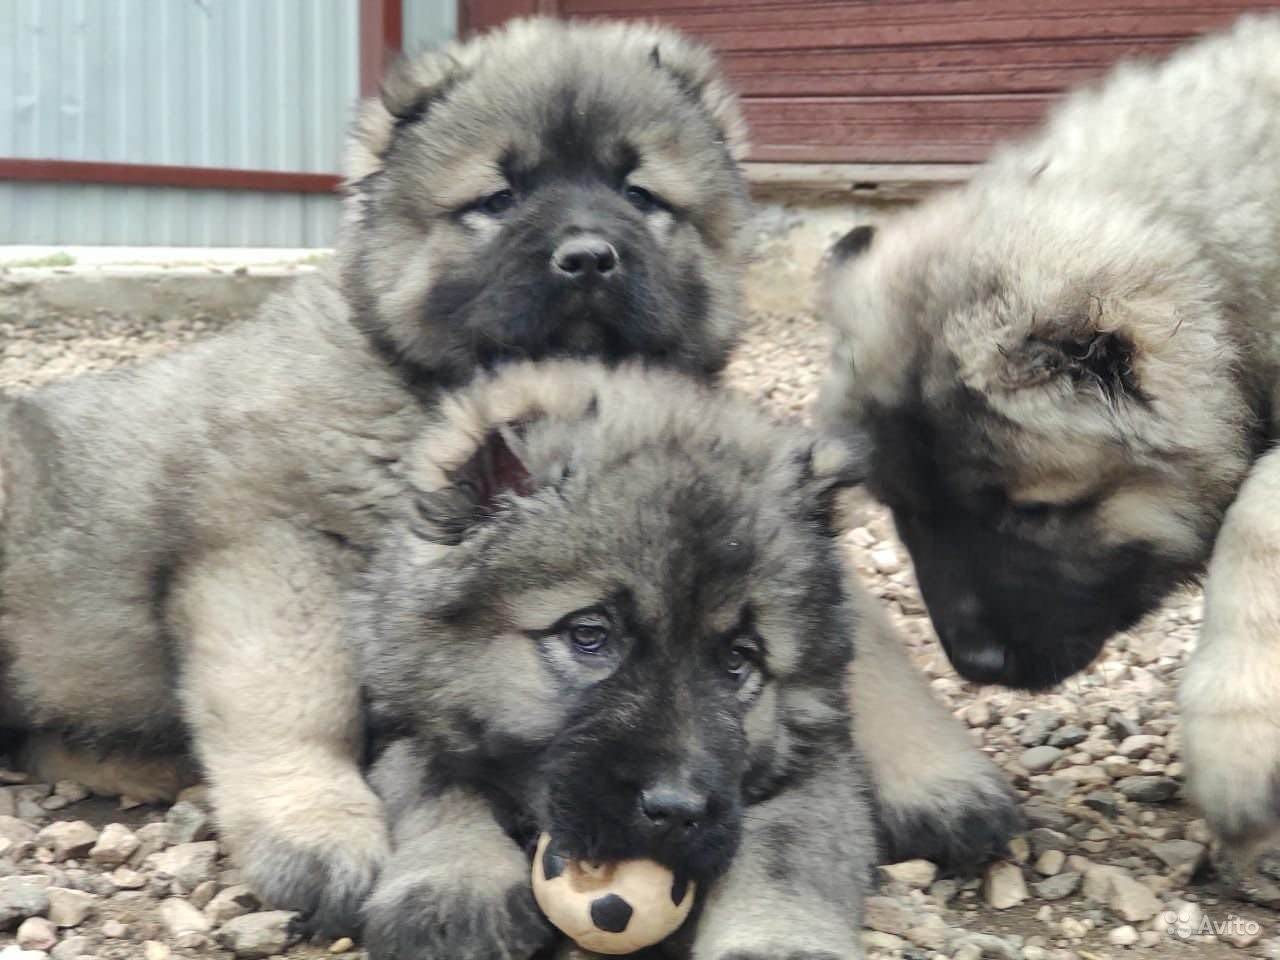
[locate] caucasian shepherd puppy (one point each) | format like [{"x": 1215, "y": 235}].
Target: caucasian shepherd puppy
[
  {"x": 617, "y": 614},
  {"x": 177, "y": 537},
  {"x": 1065, "y": 378}
]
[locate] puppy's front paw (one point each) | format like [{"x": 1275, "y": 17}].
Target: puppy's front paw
[
  {"x": 417, "y": 921},
  {"x": 958, "y": 816},
  {"x": 327, "y": 887},
  {"x": 1233, "y": 774}
]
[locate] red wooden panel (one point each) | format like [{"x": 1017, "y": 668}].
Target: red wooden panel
[
  {"x": 887, "y": 129},
  {"x": 814, "y": 24},
  {"x": 482, "y": 14},
  {"x": 930, "y": 70},
  {"x": 381, "y": 39}
]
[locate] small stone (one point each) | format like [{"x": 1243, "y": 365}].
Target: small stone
[
  {"x": 70, "y": 791},
  {"x": 231, "y": 902},
  {"x": 155, "y": 950},
  {"x": 18, "y": 831},
  {"x": 1044, "y": 813},
  {"x": 152, "y": 838},
  {"x": 114, "y": 930},
  {"x": 20, "y": 898},
  {"x": 15, "y": 952},
  {"x": 887, "y": 916},
  {"x": 190, "y": 940},
  {"x": 1042, "y": 839},
  {"x": 69, "y": 908},
  {"x": 987, "y": 945},
  {"x": 1239, "y": 932},
  {"x": 1037, "y": 728},
  {"x": 1176, "y": 854},
  {"x": 1003, "y": 886},
  {"x": 1073, "y": 929},
  {"x": 916, "y": 874},
  {"x": 1106, "y": 802},
  {"x": 8, "y": 805},
  {"x": 190, "y": 823},
  {"x": 179, "y": 916},
  {"x": 1019, "y": 850},
  {"x": 1125, "y": 936},
  {"x": 1057, "y": 887},
  {"x": 1131, "y": 900},
  {"x": 203, "y": 893},
  {"x": 259, "y": 935},
  {"x": 36, "y": 933},
  {"x": 73, "y": 948},
  {"x": 67, "y": 839},
  {"x": 1123, "y": 727},
  {"x": 116, "y": 844},
  {"x": 1039, "y": 759},
  {"x": 1148, "y": 789},
  {"x": 127, "y": 879},
  {"x": 1068, "y": 736},
  {"x": 188, "y": 864},
  {"x": 1137, "y": 747},
  {"x": 1050, "y": 863},
  {"x": 342, "y": 945}
]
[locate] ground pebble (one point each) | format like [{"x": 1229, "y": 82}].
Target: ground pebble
[
  {"x": 67, "y": 839},
  {"x": 189, "y": 864},
  {"x": 190, "y": 823},
  {"x": 72, "y": 948},
  {"x": 1131, "y": 900},
  {"x": 916, "y": 874},
  {"x": 1003, "y": 886},
  {"x": 69, "y": 908},
  {"x": 229, "y": 903},
  {"x": 342, "y": 945},
  {"x": 21, "y": 897},
  {"x": 1068, "y": 736},
  {"x": 36, "y": 933},
  {"x": 1057, "y": 887},
  {"x": 17, "y": 953},
  {"x": 1037, "y": 728},
  {"x": 114, "y": 930},
  {"x": 1125, "y": 936},
  {"x": 1148, "y": 789},
  {"x": 155, "y": 950},
  {"x": 179, "y": 916},
  {"x": 1039, "y": 759},
  {"x": 116, "y": 844},
  {"x": 1049, "y": 863},
  {"x": 257, "y": 935}
]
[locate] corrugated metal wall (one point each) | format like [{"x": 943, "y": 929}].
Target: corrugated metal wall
[{"x": 253, "y": 84}]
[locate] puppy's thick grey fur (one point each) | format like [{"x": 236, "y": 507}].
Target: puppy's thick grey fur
[
  {"x": 176, "y": 537},
  {"x": 692, "y": 529},
  {"x": 1067, "y": 376}
]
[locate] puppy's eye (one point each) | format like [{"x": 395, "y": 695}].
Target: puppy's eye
[
  {"x": 644, "y": 200},
  {"x": 589, "y": 633},
  {"x": 496, "y": 204},
  {"x": 739, "y": 660}
]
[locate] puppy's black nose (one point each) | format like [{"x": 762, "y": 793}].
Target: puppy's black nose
[
  {"x": 674, "y": 808},
  {"x": 585, "y": 257}
]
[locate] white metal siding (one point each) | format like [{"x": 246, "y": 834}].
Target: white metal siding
[{"x": 256, "y": 84}]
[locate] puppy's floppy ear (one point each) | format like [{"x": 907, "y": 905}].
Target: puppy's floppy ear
[
  {"x": 1100, "y": 360},
  {"x": 410, "y": 87},
  {"x": 695, "y": 69},
  {"x": 475, "y": 489},
  {"x": 827, "y": 468}
]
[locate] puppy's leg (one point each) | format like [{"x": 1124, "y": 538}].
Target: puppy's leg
[
  {"x": 794, "y": 890},
  {"x": 456, "y": 887},
  {"x": 1230, "y": 693},
  {"x": 274, "y": 708},
  {"x": 938, "y": 796}
]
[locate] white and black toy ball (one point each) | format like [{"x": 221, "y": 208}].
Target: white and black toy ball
[{"x": 610, "y": 908}]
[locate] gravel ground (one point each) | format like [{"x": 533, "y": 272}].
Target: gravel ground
[{"x": 1115, "y": 865}]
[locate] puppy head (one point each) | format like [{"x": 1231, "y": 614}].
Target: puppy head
[
  {"x": 618, "y": 604},
  {"x": 1047, "y": 392},
  {"x": 548, "y": 189}
]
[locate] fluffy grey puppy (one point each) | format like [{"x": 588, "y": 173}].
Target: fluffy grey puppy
[
  {"x": 1065, "y": 377},
  {"x": 176, "y": 538},
  {"x": 618, "y": 615}
]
